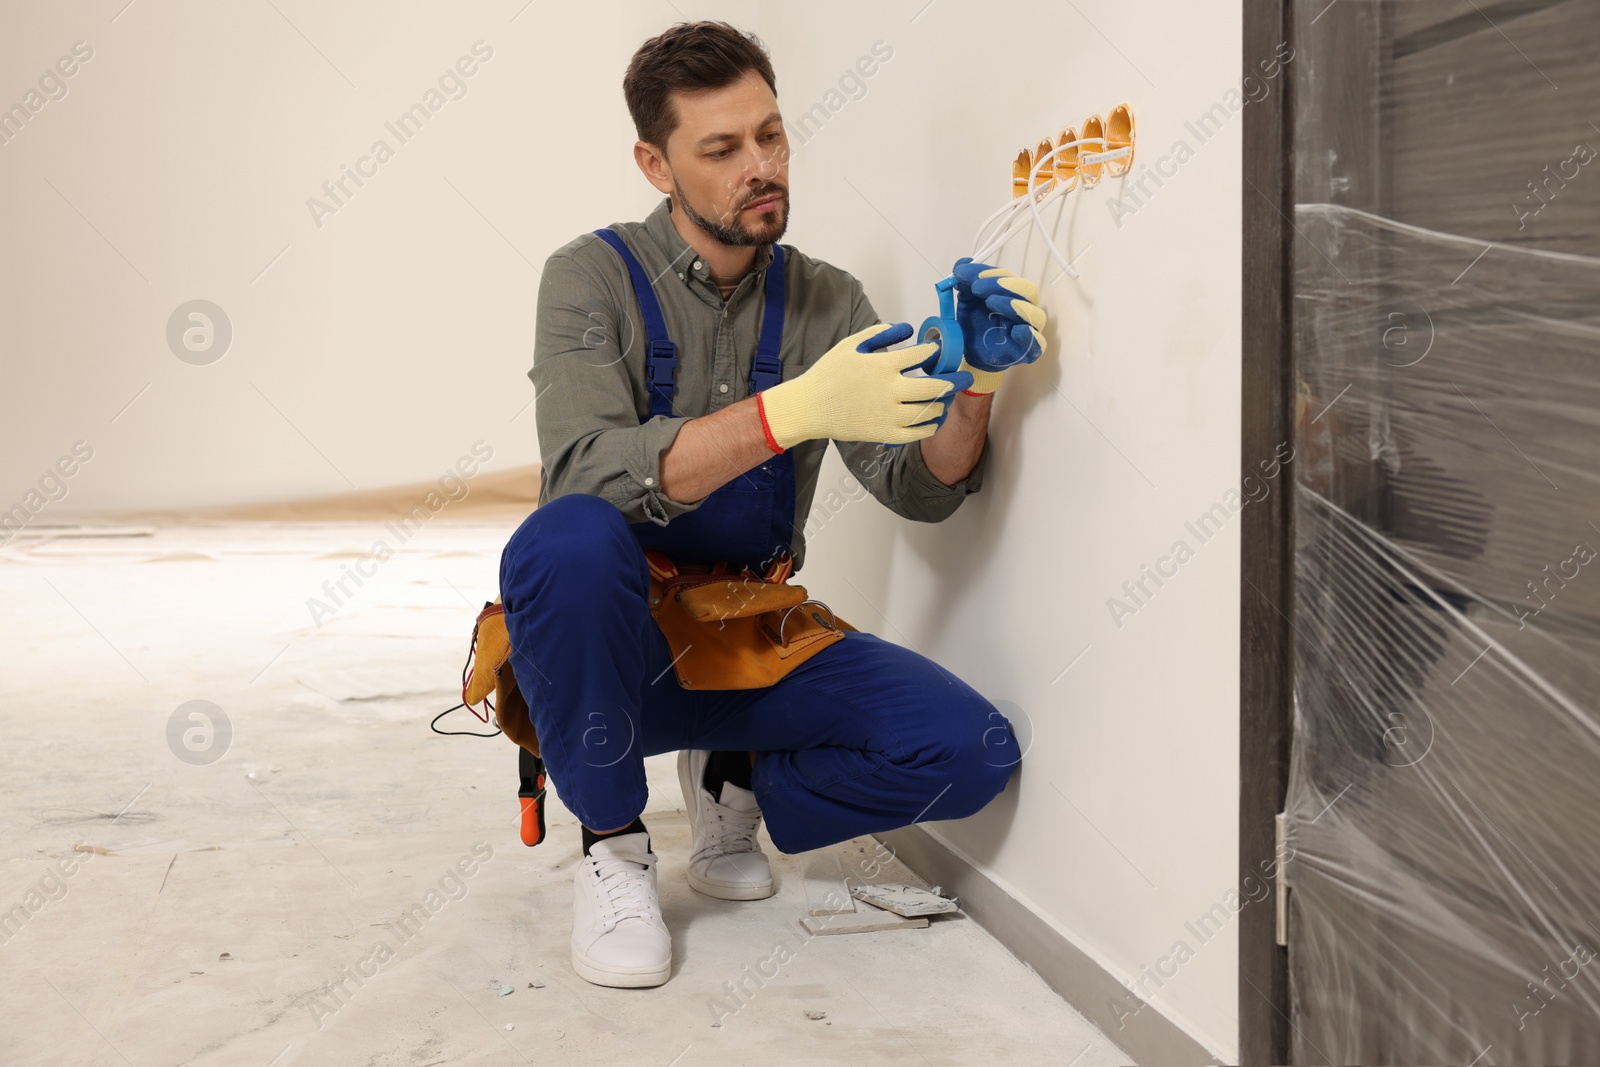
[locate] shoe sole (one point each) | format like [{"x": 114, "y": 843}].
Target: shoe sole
[
  {"x": 720, "y": 890},
  {"x": 626, "y": 978},
  {"x": 731, "y": 890}
]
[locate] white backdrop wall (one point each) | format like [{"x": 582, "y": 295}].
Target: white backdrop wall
[
  {"x": 374, "y": 343},
  {"x": 371, "y": 346}
]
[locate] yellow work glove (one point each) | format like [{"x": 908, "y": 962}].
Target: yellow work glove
[
  {"x": 857, "y": 392},
  {"x": 984, "y": 382}
]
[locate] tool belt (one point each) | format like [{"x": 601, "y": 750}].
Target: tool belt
[
  {"x": 736, "y": 630},
  {"x": 726, "y": 630}
]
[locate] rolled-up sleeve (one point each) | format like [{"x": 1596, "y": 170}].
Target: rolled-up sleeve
[
  {"x": 587, "y": 414},
  {"x": 899, "y": 478},
  {"x": 897, "y": 475}
]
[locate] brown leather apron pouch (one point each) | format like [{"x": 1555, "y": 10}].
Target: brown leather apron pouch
[
  {"x": 491, "y": 672},
  {"x": 733, "y": 632}
]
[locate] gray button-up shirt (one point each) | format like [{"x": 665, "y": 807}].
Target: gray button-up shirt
[{"x": 591, "y": 389}]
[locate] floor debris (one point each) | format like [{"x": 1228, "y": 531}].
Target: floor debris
[
  {"x": 860, "y": 922},
  {"x": 826, "y": 891},
  {"x": 903, "y": 899}
]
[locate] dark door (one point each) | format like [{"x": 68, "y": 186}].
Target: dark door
[{"x": 1444, "y": 319}]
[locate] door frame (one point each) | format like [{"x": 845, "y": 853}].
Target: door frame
[{"x": 1266, "y": 564}]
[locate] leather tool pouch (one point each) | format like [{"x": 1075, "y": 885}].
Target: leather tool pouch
[
  {"x": 738, "y": 632},
  {"x": 491, "y": 672}
]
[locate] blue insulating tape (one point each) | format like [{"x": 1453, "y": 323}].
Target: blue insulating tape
[{"x": 944, "y": 331}]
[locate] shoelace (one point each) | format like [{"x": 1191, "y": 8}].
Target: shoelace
[
  {"x": 625, "y": 886},
  {"x": 732, "y": 832}
]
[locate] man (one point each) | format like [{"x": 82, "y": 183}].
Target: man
[{"x": 711, "y": 454}]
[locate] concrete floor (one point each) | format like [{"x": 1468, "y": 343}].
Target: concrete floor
[{"x": 220, "y": 886}]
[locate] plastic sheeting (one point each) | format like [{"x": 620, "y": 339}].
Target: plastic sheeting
[
  {"x": 1444, "y": 805},
  {"x": 1444, "y": 797}
]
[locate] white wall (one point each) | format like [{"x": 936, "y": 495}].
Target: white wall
[
  {"x": 381, "y": 345},
  {"x": 1121, "y": 825}
]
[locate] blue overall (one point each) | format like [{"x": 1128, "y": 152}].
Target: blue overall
[
  {"x": 863, "y": 737},
  {"x": 750, "y": 519}
]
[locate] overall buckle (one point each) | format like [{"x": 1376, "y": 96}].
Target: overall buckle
[{"x": 661, "y": 361}]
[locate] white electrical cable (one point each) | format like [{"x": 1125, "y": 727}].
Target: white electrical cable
[
  {"x": 1034, "y": 203},
  {"x": 1038, "y": 220},
  {"x": 1020, "y": 220},
  {"x": 1017, "y": 203},
  {"x": 1012, "y": 205},
  {"x": 1009, "y": 229}
]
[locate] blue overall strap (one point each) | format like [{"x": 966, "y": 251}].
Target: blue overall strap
[
  {"x": 765, "y": 369},
  {"x": 661, "y": 355}
]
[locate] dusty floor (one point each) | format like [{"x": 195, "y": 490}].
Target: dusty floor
[{"x": 220, "y": 885}]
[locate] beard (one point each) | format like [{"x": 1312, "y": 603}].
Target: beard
[{"x": 736, "y": 233}]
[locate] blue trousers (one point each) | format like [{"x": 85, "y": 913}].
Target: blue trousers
[{"x": 863, "y": 737}]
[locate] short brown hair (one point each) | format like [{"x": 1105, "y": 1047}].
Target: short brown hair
[{"x": 689, "y": 56}]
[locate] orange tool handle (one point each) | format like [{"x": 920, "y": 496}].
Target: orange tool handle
[{"x": 532, "y": 797}]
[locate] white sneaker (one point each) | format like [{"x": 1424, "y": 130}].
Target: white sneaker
[
  {"x": 618, "y": 935},
  {"x": 727, "y": 861}
]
